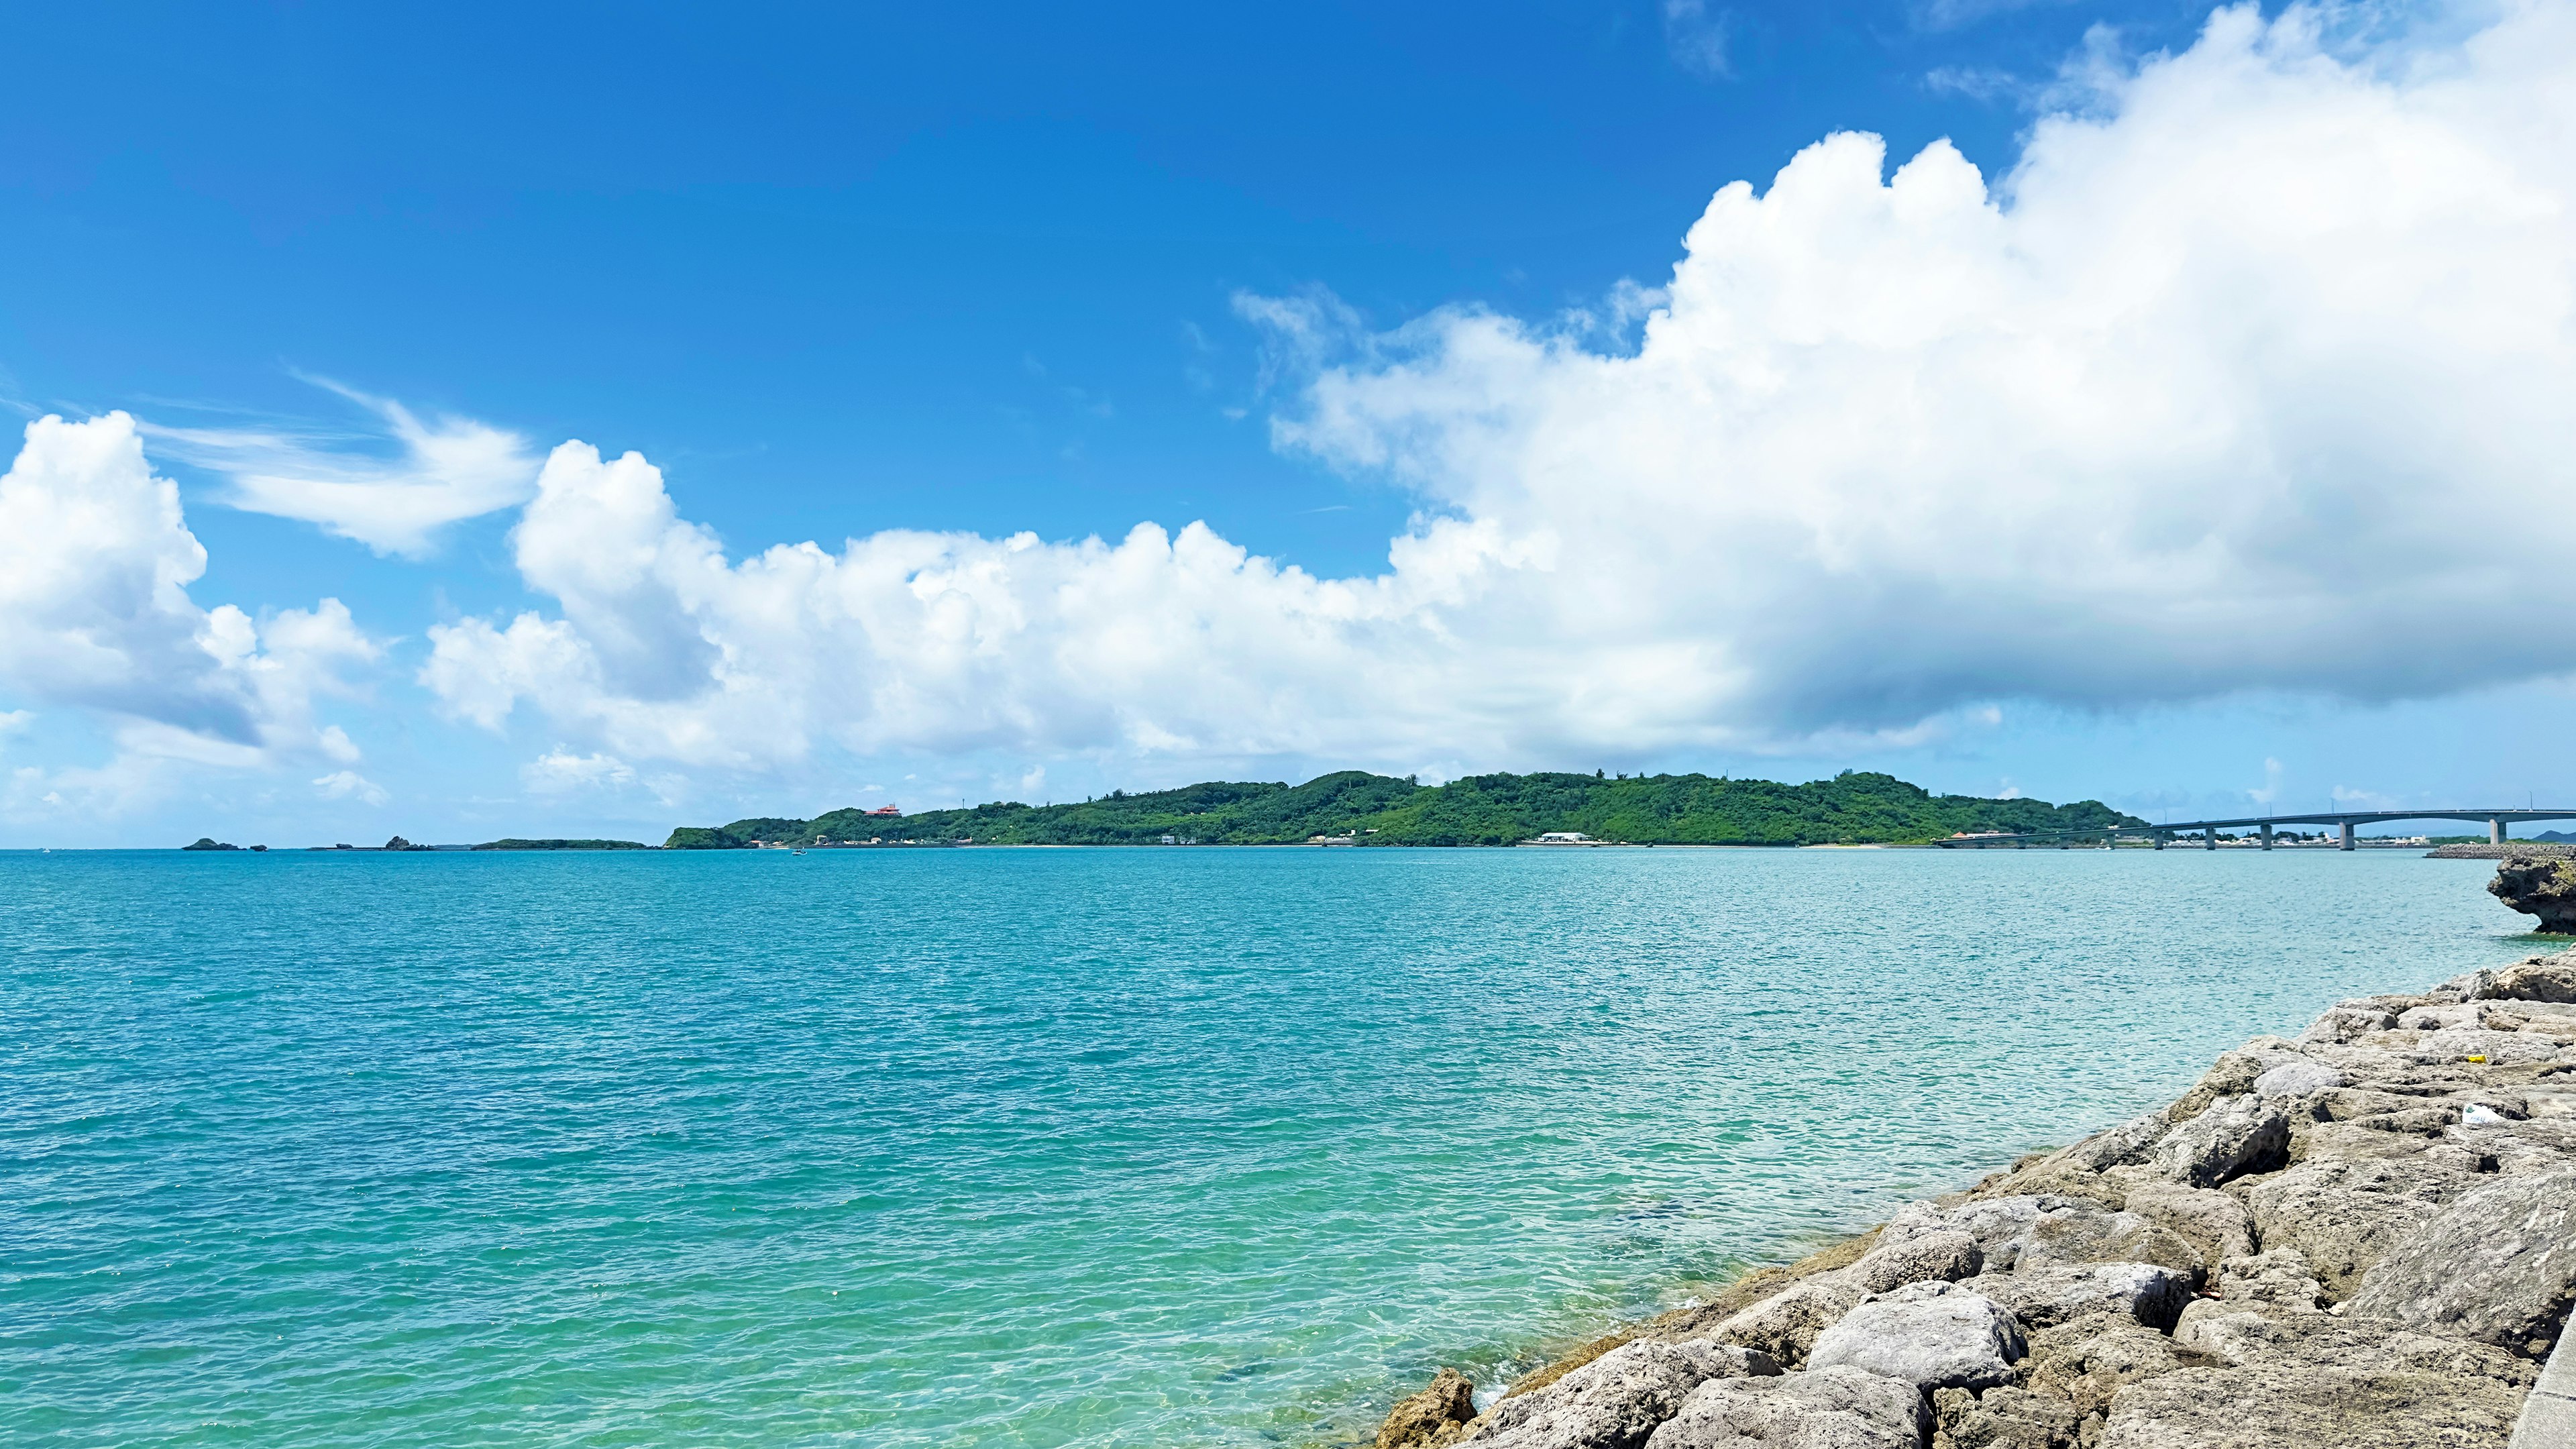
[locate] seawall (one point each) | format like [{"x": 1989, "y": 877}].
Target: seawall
[{"x": 2361, "y": 1236}]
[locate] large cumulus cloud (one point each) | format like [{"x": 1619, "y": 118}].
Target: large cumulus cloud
[
  {"x": 2252, "y": 374},
  {"x": 95, "y": 616}
]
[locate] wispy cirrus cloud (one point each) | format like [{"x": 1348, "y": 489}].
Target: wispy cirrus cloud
[
  {"x": 1953, "y": 14},
  {"x": 391, "y": 488},
  {"x": 1978, "y": 83},
  {"x": 1696, "y": 34}
]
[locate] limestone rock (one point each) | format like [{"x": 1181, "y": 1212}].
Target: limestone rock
[
  {"x": 2112, "y": 1147},
  {"x": 1432, "y": 1418},
  {"x": 2152, "y": 1294},
  {"x": 2302, "y": 1078},
  {"x": 2358, "y": 1141},
  {"x": 2469, "y": 986},
  {"x": 2484, "y": 1015},
  {"x": 2522, "y": 1147},
  {"x": 2537, "y": 886},
  {"x": 1943, "y": 1255},
  {"x": 2281, "y": 1277},
  {"x": 1828, "y": 1408},
  {"x": 2071, "y": 1239},
  {"x": 2050, "y": 1177},
  {"x": 2498, "y": 1264},
  {"x": 2346, "y": 1216},
  {"x": 2500, "y": 1048},
  {"x": 2004, "y": 1418},
  {"x": 1784, "y": 1327},
  {"x": 2291, "y": 1408},
  {"x": 1931, "y": 1334},
  {"x": 2232, "y": 1075},
  {"x": 2045, "y": 1230},
  {"x": 2345, "y": 1023},
  {"x": 2243, "y": 1335},
  {"x": 2088, "y": 1360},
  {"x": 2215, "y": 1224},
  {"x": 2542, "y": 978},
  {"x": 1702, "y": 1319},
  {"x": 1615, "y": 1401},
  {"x": 2231, "y": 1137},
  {"x": 2355, "y": 1104}
]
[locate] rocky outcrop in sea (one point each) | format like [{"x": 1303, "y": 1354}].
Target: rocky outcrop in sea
[
  {"x": 2360, "y": 1238},
  {"x": 2539, "y": 887}
]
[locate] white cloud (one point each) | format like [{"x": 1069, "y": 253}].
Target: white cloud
[
  {"x": 448, "y": 470},
  {"x": 1951, "y": 14},
  {"x": 560, "y": 770},
  {"x": 1696, "y": 36},
  {"x": 2256, "y": 382},
  {"x": 95, "y": 563},
  {"x": 1977, "y": 83},
  {"x": 345, "y": 784},
  {"x": 2251, "y": 375}
]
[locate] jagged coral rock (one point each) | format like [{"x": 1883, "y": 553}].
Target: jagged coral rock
[
  {"x": 1785, "y": 1327},
  {"x": 2216, "y": 1224},
  {"x": 2231, "y": 1137},
  {"x": 2498, "y": 1264},
  {"x": 1432, "y": 1418},
  {"x": 2541, "y": 978},
  {"x": 2538, "y": 886},
  {"x": 1930, "y": 1334},
  {"x": 1830, "y": 1408},
  {"x": 1946, "y": 1256},
  {"x": 2294, "y": 1408},
  {"x": 2003, "y": 1418},
  {"x": 2088, "y": 1360},
  {"x": 2346, "y": 1216},
  {"x": 1617, "y": 1400},
  {"x": 2148, "y": 1292},
  {"x": 2254, "y": 1335}
]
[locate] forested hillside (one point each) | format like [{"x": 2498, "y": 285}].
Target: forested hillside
[{"x": 1850, "y": 809}]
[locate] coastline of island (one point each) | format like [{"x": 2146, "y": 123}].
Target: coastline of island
[{"x": 1352, "y": 807}]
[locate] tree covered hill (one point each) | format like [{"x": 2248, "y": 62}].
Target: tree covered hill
[{"x": 1850, "y": 809}]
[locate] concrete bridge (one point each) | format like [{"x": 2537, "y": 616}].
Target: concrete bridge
[{"x": 2208, "y": 830}]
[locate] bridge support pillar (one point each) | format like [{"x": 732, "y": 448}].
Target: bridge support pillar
[
  {"x": 2160, "y": 840},
  {"x": 2267, "y": 837},
  {"x": 2209, "y": 838},
  {"x": 2495, "y": 832},
  {"x": 2347, "y": 835}
]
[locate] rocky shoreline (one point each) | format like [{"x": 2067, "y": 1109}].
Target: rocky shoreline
[{"x": 2363, "y": 1238}]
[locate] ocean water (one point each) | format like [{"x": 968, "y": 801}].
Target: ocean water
[{"x": 1039, "y": 1147}]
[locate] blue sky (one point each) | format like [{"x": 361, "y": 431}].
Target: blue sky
[{"x": 1025, "y": 269}]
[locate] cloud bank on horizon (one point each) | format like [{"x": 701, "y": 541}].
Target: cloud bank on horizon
[{"x": 2251, "y": 374}]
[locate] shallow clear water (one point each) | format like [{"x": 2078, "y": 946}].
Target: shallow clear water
[{"x": 1038, "y": 1147}]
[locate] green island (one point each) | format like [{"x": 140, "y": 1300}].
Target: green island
[{"x": 1852, "y": 808}]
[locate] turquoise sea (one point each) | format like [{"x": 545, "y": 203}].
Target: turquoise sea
[{"x": 1039, "y": 1147}]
